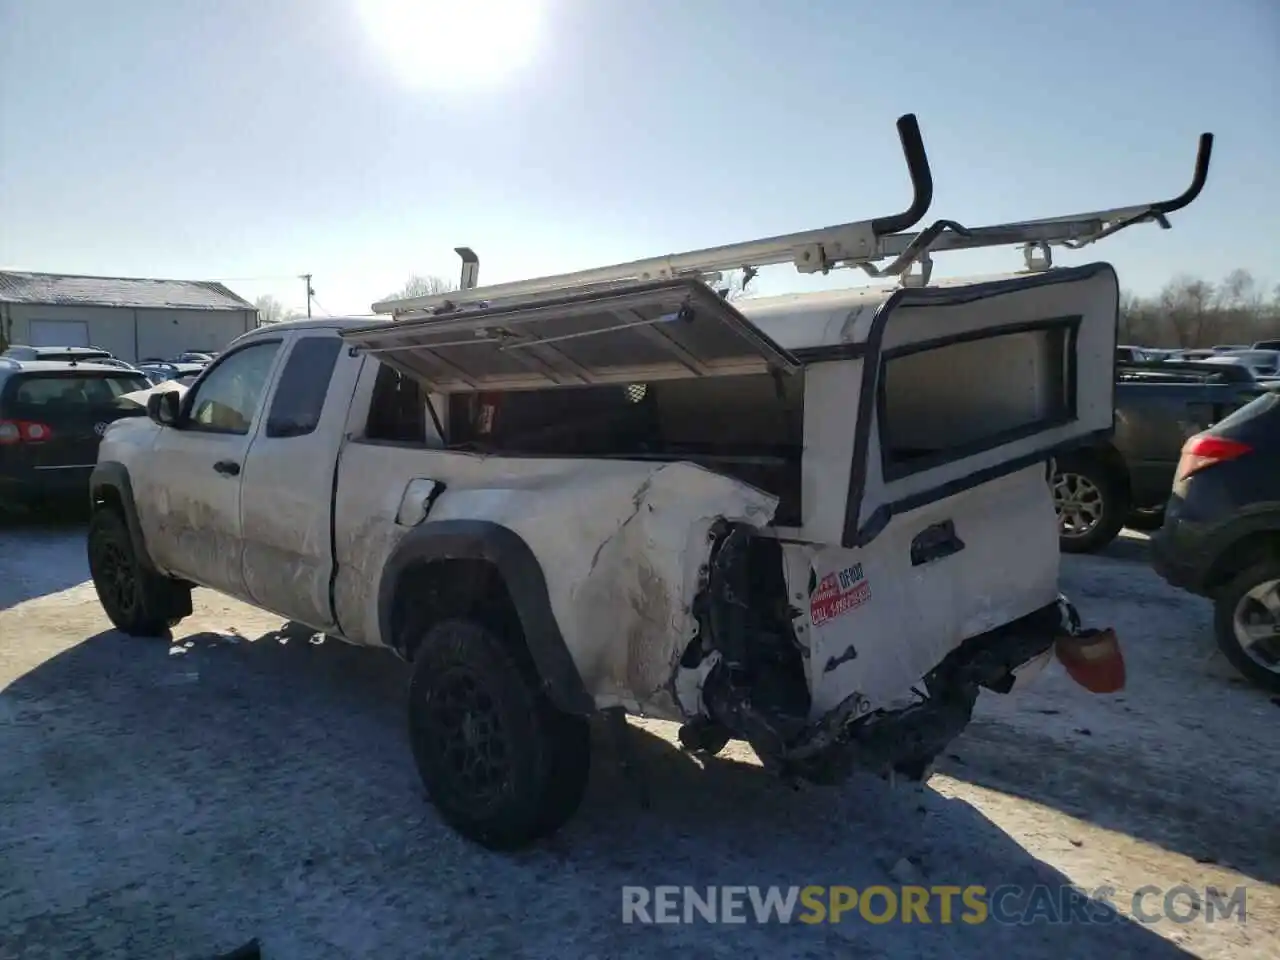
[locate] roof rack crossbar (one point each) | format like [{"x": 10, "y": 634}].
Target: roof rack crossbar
[{"x": 862, "y": 244}]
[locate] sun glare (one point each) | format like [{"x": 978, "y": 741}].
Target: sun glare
[{"x": 452, "y": 44}]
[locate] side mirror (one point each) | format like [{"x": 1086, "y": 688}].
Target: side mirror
[{"x": 164, "y": 408}]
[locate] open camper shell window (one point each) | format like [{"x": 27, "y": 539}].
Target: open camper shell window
[{"x": 660, "y": 371}]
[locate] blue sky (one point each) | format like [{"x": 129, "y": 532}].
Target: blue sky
[{"x": 266, "y": 138}]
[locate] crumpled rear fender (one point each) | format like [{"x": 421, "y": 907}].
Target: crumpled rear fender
[{"x": 621, "y": 546}]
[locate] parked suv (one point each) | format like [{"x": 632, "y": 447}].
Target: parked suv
[
  {"x": 1221, "y": 534},
  {"x": 52, "y": 417}
]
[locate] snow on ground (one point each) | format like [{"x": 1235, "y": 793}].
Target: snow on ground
[{"x": 160, "y": 801}]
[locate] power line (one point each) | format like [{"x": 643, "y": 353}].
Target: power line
[{"x": 276, "y": 276}]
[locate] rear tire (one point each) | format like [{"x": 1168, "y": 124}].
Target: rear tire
[
  {"x": 502, "y": 765},
  {"x": 1151, "y": 518},
  {"x": 136, "y": 601},
  {"x": 1235, "y": 611},
  {"x": 1090, "y": 502}
]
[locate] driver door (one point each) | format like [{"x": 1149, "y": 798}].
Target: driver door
[{"x": 196, "y": 468}]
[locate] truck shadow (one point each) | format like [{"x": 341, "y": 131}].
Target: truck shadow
[
  {"x": 41, "y": 554},
  {"x": 267, "y": 770},
  {"x": 1127, "y": 792}
]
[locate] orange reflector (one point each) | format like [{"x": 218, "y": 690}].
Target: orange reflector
[{"x": 1093, "y": 660}]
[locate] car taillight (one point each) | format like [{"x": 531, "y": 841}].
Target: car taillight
[
  {"x": 24, "y": 431},
  {"x": 1204, "y": 450}
]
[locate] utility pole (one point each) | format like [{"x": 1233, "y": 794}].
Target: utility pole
[{"x": 310, "y": 293}]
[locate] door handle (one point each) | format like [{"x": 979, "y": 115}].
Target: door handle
[
  {"x": 934, "y": 543},
  {"x": 227, "y": 467}
]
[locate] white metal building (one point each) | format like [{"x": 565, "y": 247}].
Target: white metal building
[{"x": 133, "y": 318}]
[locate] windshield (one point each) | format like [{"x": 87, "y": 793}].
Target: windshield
[
  {"x": 40, "y": 396},
  {"x": 1264, "y": 404}
]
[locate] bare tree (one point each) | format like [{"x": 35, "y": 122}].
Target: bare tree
[
  {"x": 1130, "y": 310},
  {"x": 423, "y": 286},
  {"x": 271, "y": 310},
  {"x": 1191, "y": 312},
  {"x": 1190, "y": 306},
  {"x": 1239, "y": 291}
]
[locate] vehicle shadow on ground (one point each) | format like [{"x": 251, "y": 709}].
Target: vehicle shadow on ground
[
  {"x": 1130, "y": 793},
  {"x": 261, "y": 772},
  {"x": 34, "y": 555},
  {"x": 1131, "y": 546},
  {"x": 1162, "y": 760}
]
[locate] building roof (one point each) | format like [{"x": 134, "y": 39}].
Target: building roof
[{"x": 70, "y": 290}]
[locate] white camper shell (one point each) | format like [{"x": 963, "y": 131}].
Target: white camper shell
[{"x": 818, "y": 522}]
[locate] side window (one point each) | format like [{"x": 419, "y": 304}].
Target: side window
[
  {"x": 397, "y": 410},
  {"x": 228, "y": 396},
  {"x": 303, "y": 385}
]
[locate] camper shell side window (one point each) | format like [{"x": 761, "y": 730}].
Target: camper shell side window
[{"x": 950, "y": 398}]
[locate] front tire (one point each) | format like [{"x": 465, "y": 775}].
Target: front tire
[
  {"x": 502, "y": 765},
  {"x": 1246, "y": 620},
  {"x": 136, "y": 601},
  {"x": 1090, "y": 503}
]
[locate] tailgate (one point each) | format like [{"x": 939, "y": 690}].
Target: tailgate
[{"x": 1154, "y": 420}]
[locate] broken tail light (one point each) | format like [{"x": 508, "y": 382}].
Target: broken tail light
[
  {"x": 24, "y": 431},
  {"x": 1204, "y": 450},
  {"x": 1092, "y": 659}
]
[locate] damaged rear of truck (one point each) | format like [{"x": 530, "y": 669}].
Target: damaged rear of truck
[{"x": 819, "y": 523}]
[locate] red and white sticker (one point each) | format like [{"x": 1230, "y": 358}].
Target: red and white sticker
[{"x": 838, "y": 593}]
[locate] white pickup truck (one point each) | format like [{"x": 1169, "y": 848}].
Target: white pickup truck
[{"x": 820, "y": 523}]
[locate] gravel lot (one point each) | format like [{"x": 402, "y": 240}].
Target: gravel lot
[{"x": 163, "y": 800}]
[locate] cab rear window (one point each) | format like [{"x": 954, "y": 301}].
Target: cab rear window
[{"x": 46, "y": 394}]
